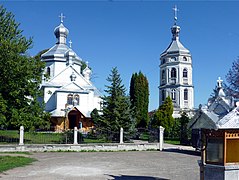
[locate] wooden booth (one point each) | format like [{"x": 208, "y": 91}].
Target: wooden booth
[{"x": 220, "y": 147}]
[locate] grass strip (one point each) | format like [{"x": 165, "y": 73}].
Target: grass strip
[
  {"x": 17, "y": 152},
  {"x": 10, "y": 162}
]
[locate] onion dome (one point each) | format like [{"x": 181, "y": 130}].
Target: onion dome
[{"x": 61, "y": 33}]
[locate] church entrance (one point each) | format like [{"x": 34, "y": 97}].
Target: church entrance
[
  {"x": 73, "y": 117},
  {"x": 77, "y": 119}
]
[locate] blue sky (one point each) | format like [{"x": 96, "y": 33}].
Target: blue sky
[{"x": 131, "y": 35}]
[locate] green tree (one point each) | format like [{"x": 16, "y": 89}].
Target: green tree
[
  {"x": 116, "y": 106},
  {"x": 163, "y": 116},
  {"x": 139, "y": 97},
  {"x": 184, "y": 132},
  {"x": 20, "y": 78},
  {"x": 95, "y": 117}
]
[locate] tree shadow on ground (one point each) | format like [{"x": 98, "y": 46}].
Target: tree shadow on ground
[
  {"x": 127, "y": 177},
  {"x": 188, "y": 152}
]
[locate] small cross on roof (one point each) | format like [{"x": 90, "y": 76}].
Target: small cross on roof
[
  {"x": 62, "y": 17},
  {"x": 219, "y": 82},
  {"x": 70, "y": 42}
]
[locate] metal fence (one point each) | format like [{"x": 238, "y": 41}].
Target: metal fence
[
  {"x": 13, "y": 137},
  {"x": 67, "y": 137},
  {"x": 9, "y": 137}
]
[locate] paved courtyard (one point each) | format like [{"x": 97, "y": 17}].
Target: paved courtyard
[{"x": 144, "y": 165}]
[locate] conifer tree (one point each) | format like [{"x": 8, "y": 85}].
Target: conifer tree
[
  {"x": 20, "y": 78},
  {"x": 116, "y": 105},
  {"x": 184, "y": 132},
  {"x": 233, "y": 79},
  {"x": 139, "y": 97}
]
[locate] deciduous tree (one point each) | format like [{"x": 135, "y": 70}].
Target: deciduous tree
[
  {"x": 20, "y": 78},
  {"x": 232, "y": 78},
  {"x": 163, "y": 116}
]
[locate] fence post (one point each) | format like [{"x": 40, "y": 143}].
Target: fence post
[
  {"x": 121, "y": 135},
  {"x": 21, "y": 139},
  {"x": 75, "y": 135},
  {"x": 161, "y": 133}
]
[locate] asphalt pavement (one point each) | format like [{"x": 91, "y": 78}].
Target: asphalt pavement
[{"x": 177, "y": 163}]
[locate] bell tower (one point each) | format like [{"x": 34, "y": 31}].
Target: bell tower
[{"x": 176, "y": 73}]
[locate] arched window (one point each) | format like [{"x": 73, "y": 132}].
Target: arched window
[
  {"x": 185, "y": 94},
  {"x": 163, "y": 61},
  {"x": 48, "y": 71},
  {"x": 70, "y": 99},
  {"x": 163, "y": 94},
  {"x": 173, "y": 73},
  {"x": 173, "y": 58},
  {"x": 77, "y": 99},
  {"x": 173, "y": 94},
  {"x": 185, "y": 73},
  {"x": 185, "y": 58},
  {"x": 163, "y": 74}
]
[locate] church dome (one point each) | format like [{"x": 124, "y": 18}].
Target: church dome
[{"x": 61, "y": 30}]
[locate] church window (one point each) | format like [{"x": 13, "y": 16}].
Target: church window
[
  {"x": 48, "y": 71},
  {"x": 185, "y": 94},
  {"x": 173, "y": 59},
  {"x": 163, "y": 95},
  {"x": 173, "y": 73},
  {"x": 185, "y": 73},
  {"x": 163, "y": 61},
  {"x": 70, "y": 99},
  {"x": 77, "y": 99},
  {"x": 185, "y": 58},
  {"x": 163, "y": 74},
  {"x": 173, "y": 94}
]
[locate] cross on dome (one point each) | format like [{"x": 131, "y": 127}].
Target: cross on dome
[
  {"x": 175, "y": 9},
  {"x": 70, "y": 42},
  {"x": 219, "y": 82},
  {"x": 62, "y": 17}
]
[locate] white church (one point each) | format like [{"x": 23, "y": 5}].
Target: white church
[
  {"x": 69, "y": 94},
  {"x": 176, "y": 74}
]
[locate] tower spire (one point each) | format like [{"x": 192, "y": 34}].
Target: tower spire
[{"x": 175, "y": 29}]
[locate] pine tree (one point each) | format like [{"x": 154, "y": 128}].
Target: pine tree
[
  {"x": 20, "y": 78},
  {"x": 116, "y": 105},
  {"x": 139, "y": 97}
]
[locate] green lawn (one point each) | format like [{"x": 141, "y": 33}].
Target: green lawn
[
  {"x": 8, "y": 136},
  {"x": 10, "y": 162},
  {"x": 175, "y": 142}
]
